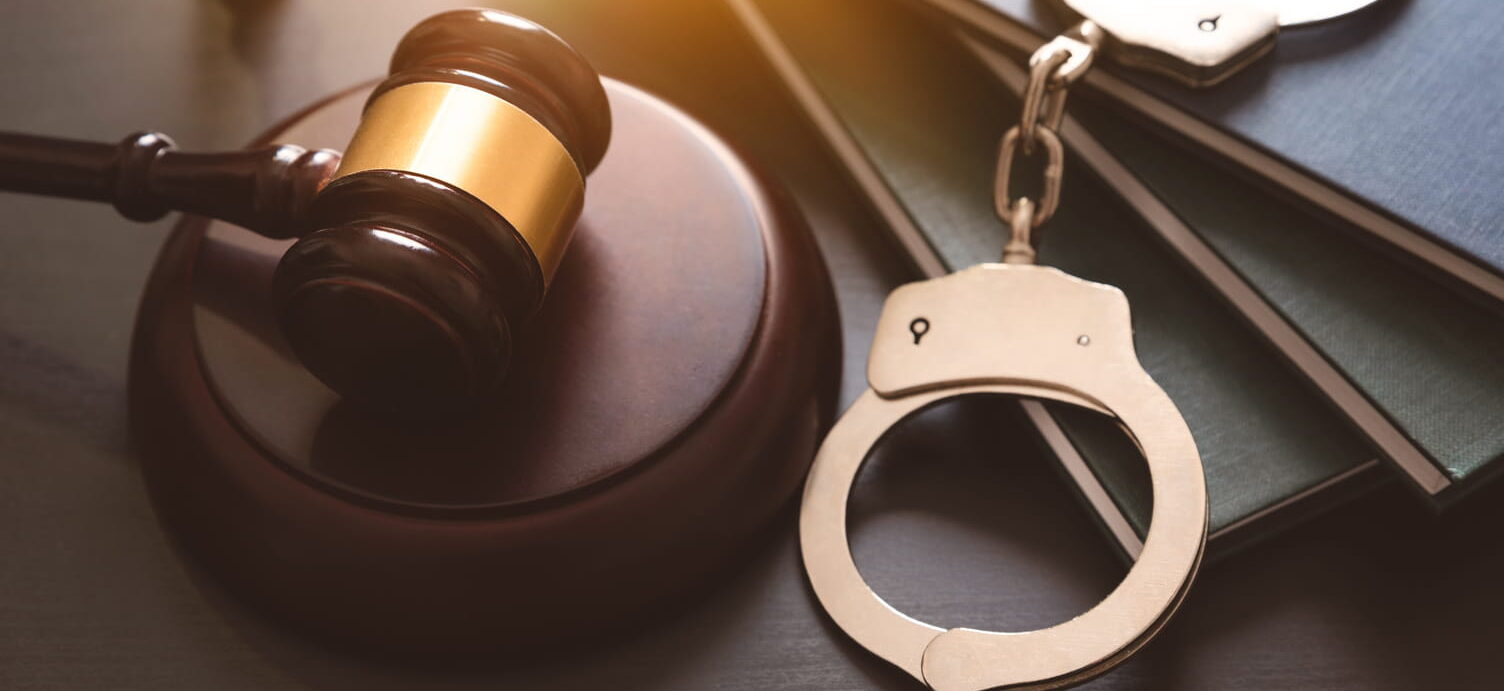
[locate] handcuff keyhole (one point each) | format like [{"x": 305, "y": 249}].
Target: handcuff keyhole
[
  {"x": 919, "y": 327},
  {"x": 1209, "y": 24}
]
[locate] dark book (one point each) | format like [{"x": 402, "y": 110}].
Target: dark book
[
  {"x": 1413, "y": 364},
  {"x": 916, "y": 117},
  {"x": 1414, "y": 367},
  {"x": 1387, "y": 118}
]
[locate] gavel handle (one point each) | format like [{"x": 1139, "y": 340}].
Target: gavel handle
[{"x": 266, "y": 190}]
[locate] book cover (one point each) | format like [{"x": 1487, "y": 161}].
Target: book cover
[
  {"x": 1412, "y": 363},
  {"x": 1422, "y": 357},
  {"x": 1386, "y": 119}
]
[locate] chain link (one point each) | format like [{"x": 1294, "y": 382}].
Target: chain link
[
  {"x": 1054, "y": 169},
  {"x": 1043, "y": 64},
  {"x": 1052, "y": 70}
]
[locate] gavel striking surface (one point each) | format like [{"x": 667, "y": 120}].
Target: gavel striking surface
[{"x": 663, "y": 406}]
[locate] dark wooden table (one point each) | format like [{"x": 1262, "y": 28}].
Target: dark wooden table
[{"x": 1378, "y": 594}]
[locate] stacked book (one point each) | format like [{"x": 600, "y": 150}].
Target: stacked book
[{"x": 1313, "y": 249}]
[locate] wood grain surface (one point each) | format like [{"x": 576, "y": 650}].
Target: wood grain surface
[{"x": 92, "y": 595}]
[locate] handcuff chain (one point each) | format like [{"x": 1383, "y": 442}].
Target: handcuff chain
[{"x": 1052, "y": 69}]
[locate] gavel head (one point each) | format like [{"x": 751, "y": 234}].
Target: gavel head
[{"x": 437, "y": 236}]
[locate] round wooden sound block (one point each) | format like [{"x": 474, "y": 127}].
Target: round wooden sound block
[{"x": 661, "y": 408}]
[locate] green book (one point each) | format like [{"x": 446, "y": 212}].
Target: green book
[
  {"x": 1411, "y": 362},
  {"x": 1374, "y": 275},
  {"x": 1422, "y": 356},
  {"x": 916, "y": 116}
]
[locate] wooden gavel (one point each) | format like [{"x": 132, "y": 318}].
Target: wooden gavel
[{"x": 424, "y": 247}]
